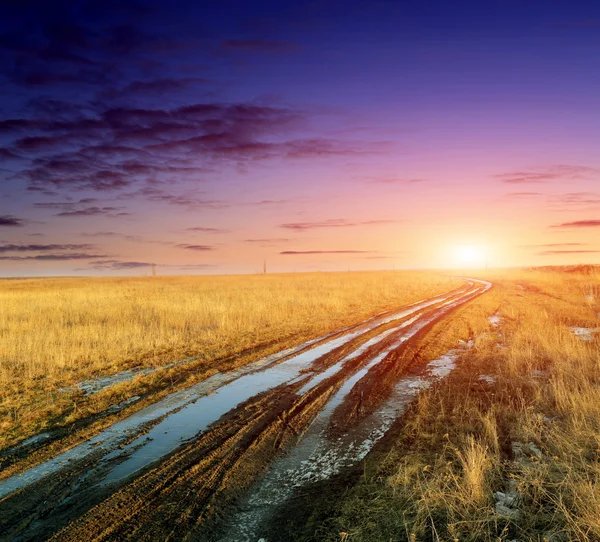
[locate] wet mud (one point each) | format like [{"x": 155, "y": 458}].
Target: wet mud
[{"x": 208, "y": 462}]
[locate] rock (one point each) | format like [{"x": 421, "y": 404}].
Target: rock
[
  {"x": 505, "y": 511},
  {"x": 531, "y": 449},
  {"x": 517, "y": 449},
  {"x": 499, "y": 496},
  {"x": 509, "y": 500}
]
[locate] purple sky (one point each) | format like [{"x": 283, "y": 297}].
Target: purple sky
[{"x": 207, "y": 137}]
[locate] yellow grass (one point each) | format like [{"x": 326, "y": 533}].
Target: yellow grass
[
  {"x": 438, "y": 479},
  {"x": 57, "y": 332}
]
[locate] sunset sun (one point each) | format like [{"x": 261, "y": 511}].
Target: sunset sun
[{"x": 469, "y": 256}]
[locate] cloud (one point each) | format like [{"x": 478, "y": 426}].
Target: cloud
[
  {"x": 112, "y": 234},
  {"x": 126, "y": 237},
  {"x": 114, "y": 148},
  {"x": 575, "y": 199},
  {"x": 55, "y": 257},
  {"x": 578, "y": 224},
  {"x": 115, "y": 265},
  {"x": 5, "y": 154},
  {"x": 11, "y": 221},
  {"x": 299, "y": 252},
  {"x": 186, "y": 201},
  {"x": 333, "y": 223},
  {"x": 551, "y": 173},
  {"x": 199, "y": 248},
  {"x": 67, "y": 205},
  {"x": 94, "y": 211},
  {"x": 119, "y": 147},
  {"x": 119, "y": 265},
  {"x": 44, "y": 248},
  {"x": 557, "y": 252},
  {"x": 205, "y": 229}
]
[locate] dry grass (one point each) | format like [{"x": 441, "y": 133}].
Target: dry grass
[
  {"x": 438, "y": 478},
  {"x": 57, "y": 332}
]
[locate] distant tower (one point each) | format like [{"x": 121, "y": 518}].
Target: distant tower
[
  {"x": 153, "y": 269},
  {"x": 265, "y": 267}
]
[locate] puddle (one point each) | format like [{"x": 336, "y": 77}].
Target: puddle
[
  {"x": 318, "y": 378},
  {"x": 122, "y": 404},
  {"x": 488, "y": 379},
  {"x": 585, "y": 333},
  {"x": 197, "y": 416},
  {"x": 317, "y": 458},
  {"x": 193, "y": 409},
  {"x": 94, "y": 385},
  {"x": 36, "y": 439}
]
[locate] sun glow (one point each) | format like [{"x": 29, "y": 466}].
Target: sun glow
[{"x": 469, "y": 256}]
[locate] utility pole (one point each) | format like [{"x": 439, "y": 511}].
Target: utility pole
[
  {"x": 153, "y": 269},
  {"x": 265, "y": 267}
]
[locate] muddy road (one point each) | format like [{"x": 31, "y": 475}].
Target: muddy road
[{"x": 212, "y": 461}]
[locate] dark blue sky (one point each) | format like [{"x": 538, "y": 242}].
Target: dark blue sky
[{"x": 196, "y": 134}]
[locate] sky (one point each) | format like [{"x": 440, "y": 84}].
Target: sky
[{"x": 210, "y": 137}]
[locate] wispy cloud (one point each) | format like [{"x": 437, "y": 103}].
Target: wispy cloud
[
  {"x": 55, "y": 257},
  {"x": 204, "y": 229},
  {"x": 113, "y": 234},
  {"x": 10, "y": 221},
  {"x": 44, "y": 248},
  {"x": 117, "y": 265},
  {"x": 578, "y": 224},
  {"x": 550, "y": 173},
  {"x": 112, "y": 212},
  {"x": 198, "y": 248},
  {"x": 333, "y": 223},
  {"x": 576, "y": 199}
]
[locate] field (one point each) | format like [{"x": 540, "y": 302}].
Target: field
[
  {"x": 489, "y": 392},
  {"x": 55, "y": 333}
]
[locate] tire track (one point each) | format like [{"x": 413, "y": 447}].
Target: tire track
[{"x": 109, "y": 493}]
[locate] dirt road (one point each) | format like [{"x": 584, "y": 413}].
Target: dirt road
[{"x": 211, "y": 461}]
